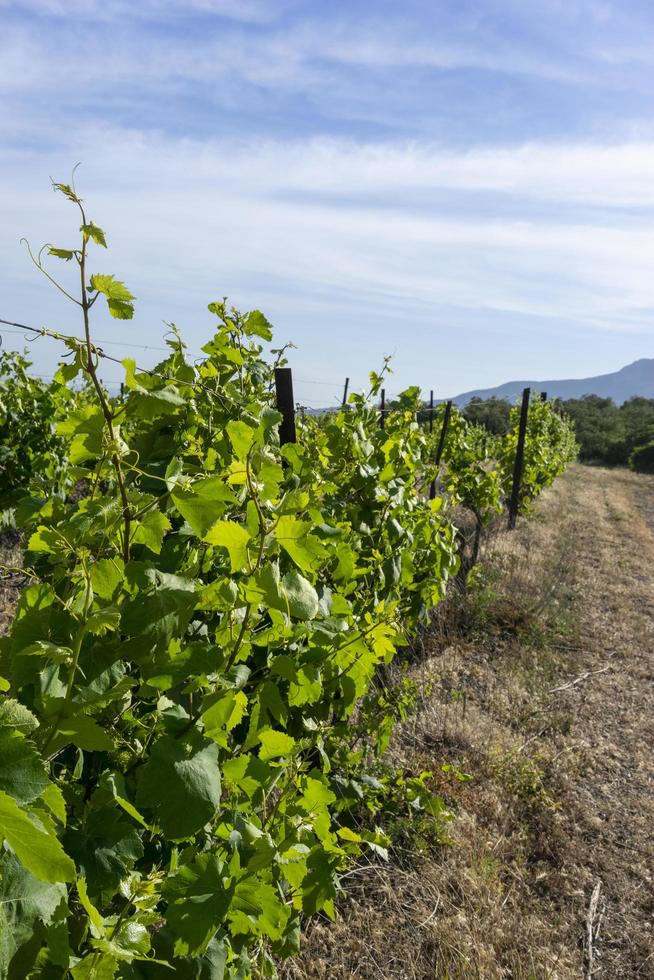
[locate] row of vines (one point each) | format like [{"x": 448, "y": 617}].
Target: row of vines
[{"x": 191, "y": 723}]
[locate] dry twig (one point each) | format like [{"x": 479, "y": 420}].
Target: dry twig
[
  {"x": 593, "y": 923},
  {"x": 578, "y": 680}
]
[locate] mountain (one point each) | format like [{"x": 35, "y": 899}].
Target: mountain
[{"x": 634, "y": 379}]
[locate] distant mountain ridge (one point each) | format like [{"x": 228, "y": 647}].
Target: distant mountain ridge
[{"x": 634, "y": 379}]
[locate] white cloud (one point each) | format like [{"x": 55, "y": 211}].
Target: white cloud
[
  {"x": 113, "y": 10},
  {"x": 288, "y": 220},
  {"x": 144, "y": 47},
  {"x": 397, "y": 174}
]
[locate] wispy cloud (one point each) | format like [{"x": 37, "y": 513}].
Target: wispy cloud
[
  {"x": 218, "y": 66},
  {"x": 283, "y": 226},
  {"x": 85, "y": 11}
]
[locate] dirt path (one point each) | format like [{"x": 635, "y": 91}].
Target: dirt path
[
  {"x": 541, "y": 688},
  {"x": 611, "y": 817}
]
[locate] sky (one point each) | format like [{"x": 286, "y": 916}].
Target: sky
[{"x": 466, "y": 185}]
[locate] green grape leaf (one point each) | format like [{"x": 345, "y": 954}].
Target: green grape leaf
[
  {"x": 66, "y": 372},
  {"x": 191, "y": 661},
  {"x": 319, "y": 885},
  {"x": 180, "y": 785},
  {"x": 82, "y": 731},
  {"x": 107, "y": 575},
  {"x": 223, "y": 714},
  {"x": 104, "y": 620},
  {"x": 55, "y": 802},
  {"x": 241, "y": 435},
  {"x": 304, "y": 548},
  {"x": 266, "y": 587},
  {"x": 95, "y": 919},
  {"x": 130, "y": 941},
  {"x": 160, "y": 610},
  {"x": 44, "y": 539},
  {"x": 306, "y": 687},
  {"x": 22, "y": 771},
  {"x": 85, "y": 426},
  {"x": 345, "y": 569},
  {"x": 61, "y": 253},
  {"x": 249, "y": 774},
  {"x": 233, "y": 537},
  {"x": 150, "y": 402},
  {"x": 275, "y": 744},
  {"x": 66, "y": 190},
  {"x": 40, "y": 852},
  {"x": 119, "y": 299},
  {"x": 50, "y": 653},
  {"x": 198, "y": 899},
  {"x": 14, "y": 715},
  {"x": 105, "y": 849},
  {"x": 95, "y": 966},
  {"x": 257, "y": 909},
  {"x": 151, "y": 529},
  {"x": 96, "y": 234},
  {"x": 316, "y": 796},
  {"x": 25, "y": 902},
  {"x": 302, "y": 598},
  {"x": 114, "y": 783},
  {"x": 257, "y": 325},
  {"x": 204, "y": 504}
]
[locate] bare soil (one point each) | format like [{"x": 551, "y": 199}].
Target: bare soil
[{"x": 539, "y": 686}]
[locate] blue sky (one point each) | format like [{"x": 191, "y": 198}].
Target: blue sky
[{"x": 466, "y": 185}]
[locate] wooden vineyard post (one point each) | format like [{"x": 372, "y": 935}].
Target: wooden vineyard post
[
  {"x": 441, "y": 444},
  {"x": 285, "y": 405},
  {"x": 514, "y": 503},
  {"x": 543, "y": 396},
  {"x": 432, "y": 485},
  {"x": 441, "y": 441},
  {"x": 347, "y": 385},
  {"x": 382, "y": 413}
]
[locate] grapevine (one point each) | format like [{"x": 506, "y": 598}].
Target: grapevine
[{"x": 188, "y": 725}]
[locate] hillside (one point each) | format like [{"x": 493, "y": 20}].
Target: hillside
[{"x": 634, "y": 379}]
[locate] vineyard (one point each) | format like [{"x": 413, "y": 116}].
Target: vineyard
[{"x": 195, "y": 703}]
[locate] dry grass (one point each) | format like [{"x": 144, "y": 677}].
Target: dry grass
[{"x": 561, "y": 794}]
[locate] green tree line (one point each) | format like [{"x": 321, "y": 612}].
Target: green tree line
[{"x": 607, "y": 434}]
